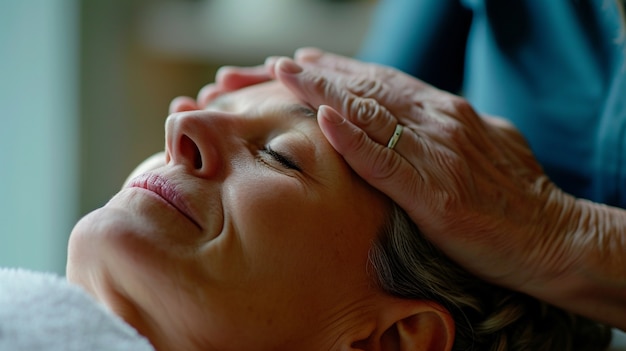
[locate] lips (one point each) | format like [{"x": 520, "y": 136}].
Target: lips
[{"x": 166, "y": 190}]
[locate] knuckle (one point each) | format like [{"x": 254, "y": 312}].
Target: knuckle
[
  {"x": 452, "y": 130},
  {"x": 365, "y": 110},
  {"x": 383, "y": 73},
  {"x": 448, "y": 102},
  {"x": 364, "y": 87},
  {"x": 460, "y": 105},
  {"x": 463, "y": 109},
  {"x": 319, "y": 85}
]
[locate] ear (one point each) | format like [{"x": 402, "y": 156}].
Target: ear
[
  {"x": 429, "y": 329},
  {"x": 411, "y": 325}
]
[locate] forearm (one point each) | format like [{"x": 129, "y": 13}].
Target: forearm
[{"x": 593, "y": 282}]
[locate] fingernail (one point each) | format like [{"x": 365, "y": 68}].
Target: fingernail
[
  {"x": 270, "y": 64},
  {"x": 289, "y": 66},
  {"x": 207, "y": 94},
  {"x": 308, "y": 54},
  {"x": 221, "y": 73},
  {"x": 272, "y": 59},
  {"x": 330, "y": 114}
]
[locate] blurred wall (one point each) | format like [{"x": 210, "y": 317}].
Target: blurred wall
[
  {"x": 38, "y": 132},
  {"x": 125, "y": 93}
]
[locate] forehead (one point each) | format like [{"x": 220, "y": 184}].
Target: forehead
[{"x": 265, "y": 96}]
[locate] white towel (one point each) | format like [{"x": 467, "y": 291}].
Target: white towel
[
  {"x": 42, "y": 311},
  {"x": 619, "y": 341}
]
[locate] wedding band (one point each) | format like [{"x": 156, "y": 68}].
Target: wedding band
[{"x": 395, "y": 137}]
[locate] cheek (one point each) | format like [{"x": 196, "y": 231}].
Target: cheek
[
  {"x": 300, "y": 240},
  {"x": 278, "y": 214}
]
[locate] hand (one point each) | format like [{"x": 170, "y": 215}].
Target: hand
[
  {"x": 227, "y": 79},
  {"x": 470, "y": 183},
  {"x": 230, "y": 78}
]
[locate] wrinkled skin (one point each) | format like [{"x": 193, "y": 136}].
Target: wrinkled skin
[
  {"x": 474, "y": 177},
  {"x": 470, "y": 182}
]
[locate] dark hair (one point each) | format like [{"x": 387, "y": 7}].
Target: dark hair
[{"x": 487, "y": 317}]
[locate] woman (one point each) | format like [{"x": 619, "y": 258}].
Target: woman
[
  {"x": 251, "y": 232},
  {"x": 469, "y": 181}
]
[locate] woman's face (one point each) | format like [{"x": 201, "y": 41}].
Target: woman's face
[{"x": 250, "y": 232}]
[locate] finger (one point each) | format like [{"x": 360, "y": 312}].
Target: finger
[
  {"x": 400, "y": 94},
  {"x": 320, "y": 58},
  {"x": 308, "y": 54},
  {"x": 394, "y": 89},
  {"x": 183, "y": 103},
  {"x": 374, "y": 119},
  {"x": 207, "y": 94},
  {"x": 316, "y": 90},
  {"x": 380, "y": 166},
  {"x": 229, "y": 78},
  {"x": 270, "y": 65}
]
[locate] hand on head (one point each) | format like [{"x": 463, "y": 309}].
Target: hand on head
[{"x": 470, "y": 183}]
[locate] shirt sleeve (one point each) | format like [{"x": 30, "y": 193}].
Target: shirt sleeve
[{"x": 425, "y": 38}]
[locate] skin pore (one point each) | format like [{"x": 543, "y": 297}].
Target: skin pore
[{"x": 249, "y": 232}]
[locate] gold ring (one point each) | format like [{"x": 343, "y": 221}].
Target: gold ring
[{"x": 395, "y": 137}]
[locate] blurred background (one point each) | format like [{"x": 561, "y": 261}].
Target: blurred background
[{"x": 85, "y": 86}]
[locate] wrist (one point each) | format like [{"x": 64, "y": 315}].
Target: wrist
[
  {"x": 554, "y": 236},
  {"x": 601, "y": 234},
  {"x": 584, "y": 269}
]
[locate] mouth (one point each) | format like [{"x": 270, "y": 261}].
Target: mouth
[{"x": 167, "y": 191}]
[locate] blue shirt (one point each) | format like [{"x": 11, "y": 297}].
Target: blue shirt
[{"x": 553, "y": 67}]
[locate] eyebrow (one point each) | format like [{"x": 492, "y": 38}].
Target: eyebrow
[
  {"x": 302, "y": 110},
  {"x": 224, "y": 102}
]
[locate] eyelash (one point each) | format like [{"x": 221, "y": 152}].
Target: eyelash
[{"x": 280, "y": 158}]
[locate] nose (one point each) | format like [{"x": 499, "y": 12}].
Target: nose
[{"x": 191, "y": 140}]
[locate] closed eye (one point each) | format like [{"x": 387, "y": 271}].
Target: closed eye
[{"x": 282, "y": 159}]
